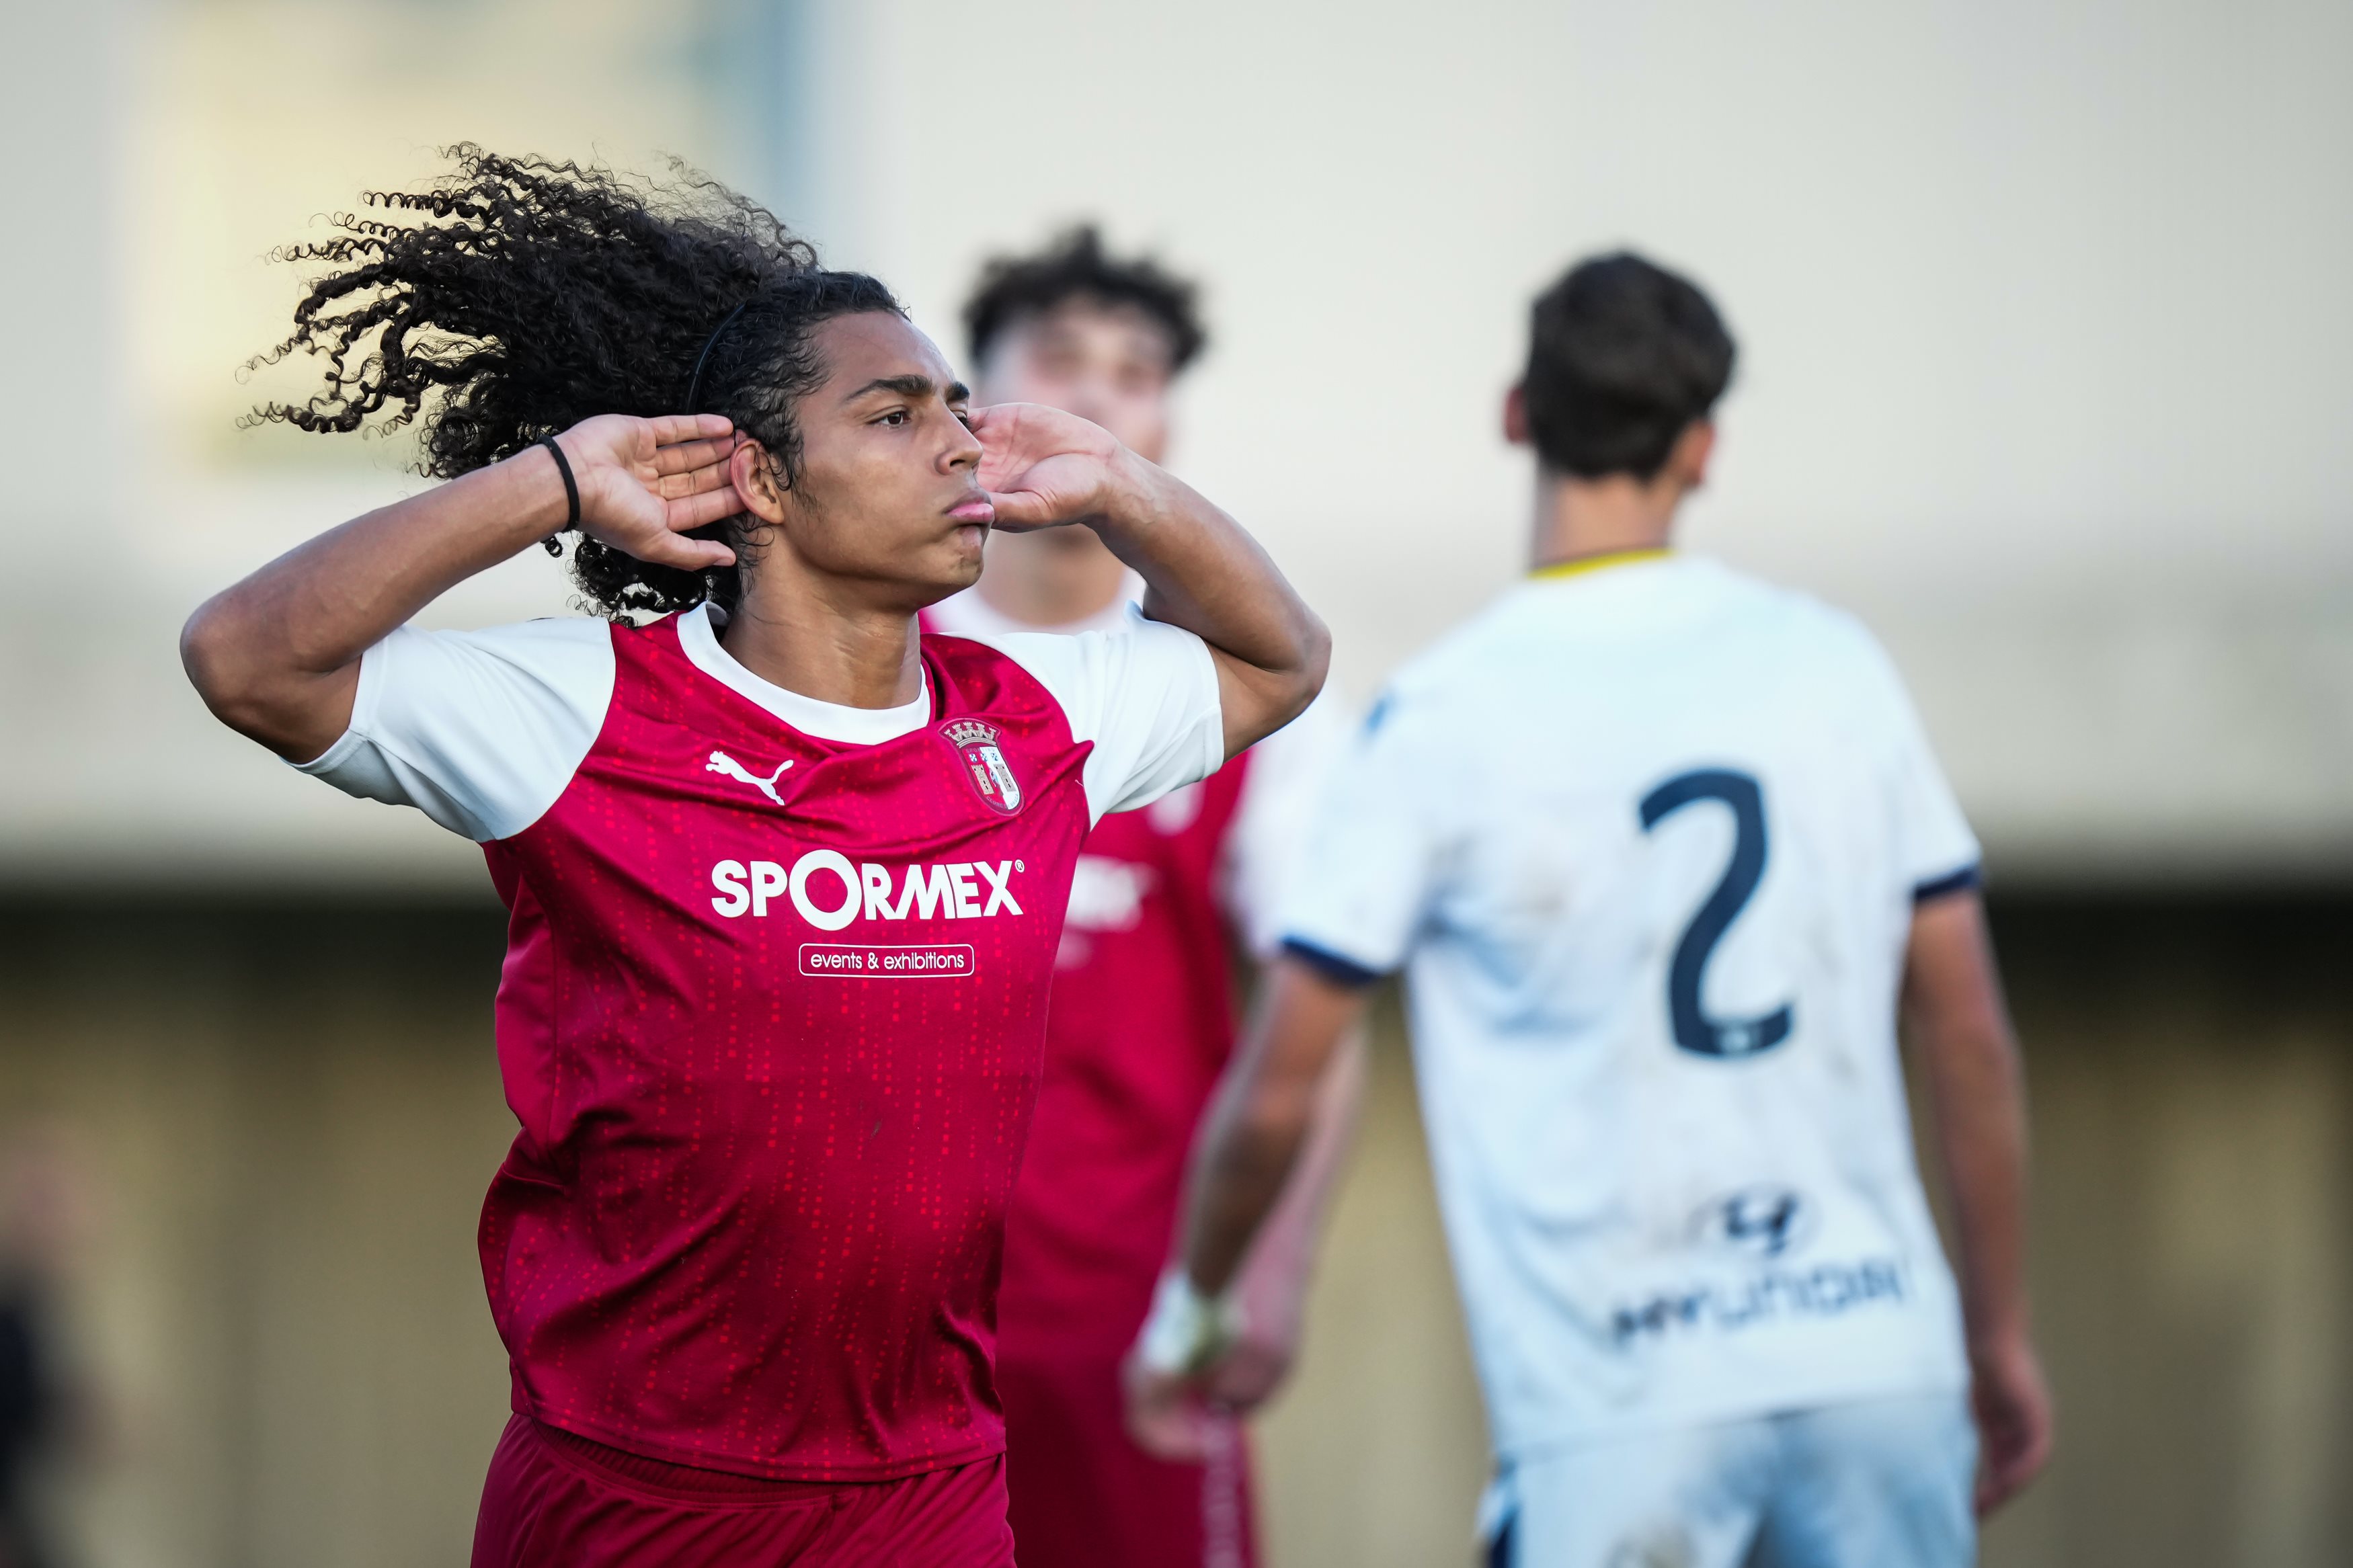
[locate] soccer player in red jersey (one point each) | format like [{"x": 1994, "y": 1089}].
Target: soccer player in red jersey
[
  {"x": 786, "y": 877},
  {"x": 1141, "y": 1022}
]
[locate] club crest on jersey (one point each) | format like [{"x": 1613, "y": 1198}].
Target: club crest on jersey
[{"x": 985, "y": 763}]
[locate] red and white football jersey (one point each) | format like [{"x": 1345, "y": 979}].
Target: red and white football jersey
[{"x": 773, "y": 1010}]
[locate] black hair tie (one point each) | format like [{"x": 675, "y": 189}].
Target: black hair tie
[
  {"x": 694, "y": 382},
  {"x": 571, "y": 491}
]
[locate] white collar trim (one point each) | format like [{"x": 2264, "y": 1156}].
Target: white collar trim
[
  {"x": 820, "y": 721},
  {"x": 967, "y": 615}
]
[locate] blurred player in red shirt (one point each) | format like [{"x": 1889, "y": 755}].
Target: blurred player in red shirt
[{"x": 1142, "y": 1020}]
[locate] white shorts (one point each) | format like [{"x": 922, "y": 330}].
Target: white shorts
[{"x": 1882, "y": 1483}]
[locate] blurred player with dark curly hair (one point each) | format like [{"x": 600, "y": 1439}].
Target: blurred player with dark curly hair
[
  {"x": 786, "y": 877},
  {"x": 1142, "y": 1020}
]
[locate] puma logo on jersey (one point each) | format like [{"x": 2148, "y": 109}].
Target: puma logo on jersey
[
  {"x": 948, "y": 890},
  {"x": 721, "y": 763}
]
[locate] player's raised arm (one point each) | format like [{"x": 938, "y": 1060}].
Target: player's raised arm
[
  {"x": 1044, "y": 468},
  {"x": 1961, "y": 1035},
  {"x": 276, "y": 656}
]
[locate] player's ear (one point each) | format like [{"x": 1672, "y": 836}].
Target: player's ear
[
  {"x": 758, "y": 483},
  {"x": 1687, "y": 459},
  {"x": 1516, "y": 415}
]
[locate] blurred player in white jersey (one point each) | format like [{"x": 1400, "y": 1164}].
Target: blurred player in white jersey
[
  {"x": 1665, "y": 855},
  {"x": 1142, "y": 1023}
]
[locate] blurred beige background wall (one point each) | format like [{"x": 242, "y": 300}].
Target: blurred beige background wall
[
  {"x": 2043, "y": 324},
  {"x": 2041, "y": 309}
]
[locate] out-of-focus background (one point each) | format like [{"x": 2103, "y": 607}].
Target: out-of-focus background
[{"x": 2045, "y": 331}]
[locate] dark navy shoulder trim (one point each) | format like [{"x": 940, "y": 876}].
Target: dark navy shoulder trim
[
  {"x": 1331, "y": 965},
  {"x": 1967, "y": 878}
]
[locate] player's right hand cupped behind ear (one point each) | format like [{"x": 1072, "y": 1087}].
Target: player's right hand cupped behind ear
[{"x": 647, "y": 483}]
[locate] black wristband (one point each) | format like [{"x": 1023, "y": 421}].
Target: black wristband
[{"x": 571, "y": 491}]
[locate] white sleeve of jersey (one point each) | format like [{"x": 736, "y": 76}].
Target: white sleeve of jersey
[
  {"x": 1375, "y": 849},
  {"x": 480, "y": 730},
  {"x": 1146, "y": 695},
  {"x": 1934, "y": 849},
  {"x": 1266, "y": 843}
]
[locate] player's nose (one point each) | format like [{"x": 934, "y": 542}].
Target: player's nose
[{"x": 963, "y": 449}]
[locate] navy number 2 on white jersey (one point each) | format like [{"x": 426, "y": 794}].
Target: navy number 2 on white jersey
[{"x": 1694, "y": 1031}]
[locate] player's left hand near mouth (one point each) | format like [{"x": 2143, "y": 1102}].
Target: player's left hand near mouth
[{"x": 1043, "y": 468}]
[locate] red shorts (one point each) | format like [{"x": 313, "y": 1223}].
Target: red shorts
[
  {"x": 1083, "y": 1495},
  {"x": 556, "y": 1500}
]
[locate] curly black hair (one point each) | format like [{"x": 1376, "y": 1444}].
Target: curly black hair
[
  {"x": 1075, "y": 266},
  {"x": 514, "y": 296}
]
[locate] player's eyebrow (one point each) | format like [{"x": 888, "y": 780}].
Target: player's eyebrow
[{"x": 912, "y": 386}]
